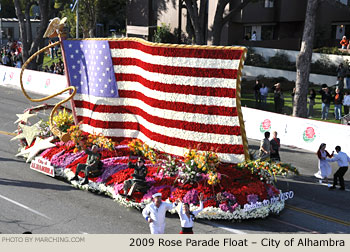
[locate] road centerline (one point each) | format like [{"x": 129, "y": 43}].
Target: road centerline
[
  {"x": 317, "y": 215},
  {"x": 25, "y": 207}
]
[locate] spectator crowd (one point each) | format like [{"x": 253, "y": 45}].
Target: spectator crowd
[
  {"x": 338, "y": 95},
  {"x": 57, "y": 68},
  {"x": 11, "y": 54}
]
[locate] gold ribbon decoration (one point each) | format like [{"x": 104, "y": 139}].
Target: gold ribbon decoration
[{"x": 54, "y": 29}]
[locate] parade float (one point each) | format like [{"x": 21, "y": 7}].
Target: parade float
[{"x": 176, "y": 106}]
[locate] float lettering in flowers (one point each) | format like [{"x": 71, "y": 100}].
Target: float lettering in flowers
[{"x": 255, "y": 205}]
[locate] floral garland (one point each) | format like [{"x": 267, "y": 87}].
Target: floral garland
[
  {"x": 83, "y": 140},
  {"x": 138, "y": 148},
  {"x": 268, "y": 171}
]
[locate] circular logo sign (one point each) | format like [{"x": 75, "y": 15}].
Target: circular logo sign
[
  {"x": 47, "y": 83},
  {"x": 29, "y": 79},
  {"x": 309, "y": 134},
  {"x": 265, "y": 125}
]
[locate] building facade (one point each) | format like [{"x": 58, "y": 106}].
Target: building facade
[
  {"x": 274, "y": 23},
  {"x": 10, "y": 29}
]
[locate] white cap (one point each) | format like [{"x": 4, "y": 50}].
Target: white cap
[{"x": 157, "y": 195}]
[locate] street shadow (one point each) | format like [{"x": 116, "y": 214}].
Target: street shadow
[
  {"x": 11, "y": 160},
  {"x": 294, "y": 151},
  {"x": 37, "y": 185},
  {"x": 311, "y": 179}
]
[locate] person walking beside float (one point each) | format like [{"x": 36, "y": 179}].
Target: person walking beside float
[{"x": 154, "y": 213}]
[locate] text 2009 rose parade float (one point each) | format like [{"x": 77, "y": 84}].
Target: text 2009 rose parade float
[{"x": 177, "y": 106}]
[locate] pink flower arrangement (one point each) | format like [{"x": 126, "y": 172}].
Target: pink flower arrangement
[{"x": 191, "y": 197}]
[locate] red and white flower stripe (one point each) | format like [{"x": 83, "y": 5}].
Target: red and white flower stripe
[{"x": 172, "y": 98}]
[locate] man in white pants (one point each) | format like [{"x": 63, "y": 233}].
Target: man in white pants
[{"x": 154, "y": 213}]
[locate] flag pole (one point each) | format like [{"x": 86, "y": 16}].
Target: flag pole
[{"x": 62, "y": 37}]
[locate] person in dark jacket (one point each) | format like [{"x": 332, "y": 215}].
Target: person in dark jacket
[
  {"x": 138, "y": 182},
  {"x": 93, "y": 165},
  {"x": 257, "y": 93},
  {"x": 278, "y": 98},
  {"x": 311, "y": 100},
  {"x": 275, "y": 147},
  {"x": 326, "y": 101}
]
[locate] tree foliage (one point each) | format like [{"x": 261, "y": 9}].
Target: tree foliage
[
  {"x": 7, "y": 9},
  {"x": 87, "y": 18},
  {"x": 304, "y": 58},
  {"x": 197, "y": 17},
  {"x": 23, "y": 10},
  {"x": 93, "y": 11},
  {"x": 113, "y": 13},
  {"x": 223, "y": 14}
]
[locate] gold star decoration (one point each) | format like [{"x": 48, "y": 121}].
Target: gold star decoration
[
  {"x": 24, "y": 117},
  {"x": 39, "y": 145},
  {"x": 28, "y": 132}
]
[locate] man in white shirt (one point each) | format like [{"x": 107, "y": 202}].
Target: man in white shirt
[
  {"x": 254, "y": 36},
  {"x": 154, "y": 213},
  {"x": 343, "y": 159}
]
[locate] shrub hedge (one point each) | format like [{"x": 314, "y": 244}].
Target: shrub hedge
[{"x": 281, "y": 61}]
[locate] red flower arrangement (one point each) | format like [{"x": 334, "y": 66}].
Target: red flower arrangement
[
  {"x": 73, "y": 165},
  {"x": 120, "y": 176},
  {"x": 234, "y": 180}
]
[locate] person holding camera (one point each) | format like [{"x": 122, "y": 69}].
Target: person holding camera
[{"x": 326, "y": 101}]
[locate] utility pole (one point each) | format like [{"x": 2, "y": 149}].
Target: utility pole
[
  {"x": 77, "y": 28},
  {"x": 0, "y": 26},
  {"x": 76, "y": 4}
]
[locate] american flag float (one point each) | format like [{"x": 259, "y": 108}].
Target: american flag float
[{"x": 171, "y": 97}]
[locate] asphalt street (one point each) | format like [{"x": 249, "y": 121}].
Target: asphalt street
[{"x": 30, "y": 201}]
